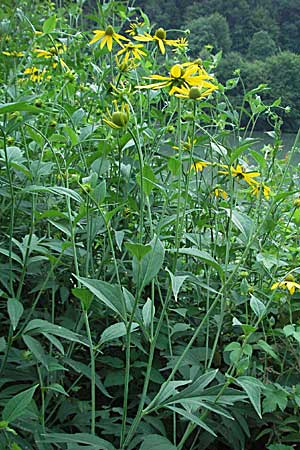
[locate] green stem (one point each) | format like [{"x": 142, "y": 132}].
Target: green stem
[{"x": 93, "y": 373}]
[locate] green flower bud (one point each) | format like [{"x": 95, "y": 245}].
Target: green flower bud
[
  {"x": 120, "y": 118},
  {"x": 194, "y": 93},
  {"x": 161, "y": 33},
  {"x": 109, "y": 31},
  {"x": 38, "y": 103}
]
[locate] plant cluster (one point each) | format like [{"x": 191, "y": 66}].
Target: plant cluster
[{"x": 149, "y": 245}]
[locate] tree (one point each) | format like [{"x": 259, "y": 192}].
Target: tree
[
  {"x": 213, "y": 30},
  {"x": 261, "y": 46}
]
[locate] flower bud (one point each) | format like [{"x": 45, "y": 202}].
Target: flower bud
[
  {"x": 119, "y": 118},
  {"x": 297, "y": 202},
  {"x": 109, "y": 31},
  {"x": 160, "y": 33},
  {"x": 38, "y": 103},
  {"x": 194, "y": 93},
  {"x": 289, "y": 277}
]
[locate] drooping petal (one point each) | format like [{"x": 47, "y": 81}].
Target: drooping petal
[
  {"x": 109, "y": 43},
  {"x": 98, "y": 35},
  {"x": 161, "y": 46}
]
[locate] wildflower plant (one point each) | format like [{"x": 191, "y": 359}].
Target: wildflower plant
[{"x": 149, "y": 245}]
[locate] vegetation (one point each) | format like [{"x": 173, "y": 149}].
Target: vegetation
[{"x": 149, "y": 245}]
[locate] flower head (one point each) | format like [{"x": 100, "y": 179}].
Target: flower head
[
  {"x": 160, "y": 38},
  {"x": 257, "y": 187},
  {"x": 288, "y": 283},
  {"x": 107, "y": 37},
  {"x": 132, "y": 50},
  {"x": 196, "y": 92},
  {"x": 178, "y": 78},
  {"x": 119, "y": 118},
  {"x": 133, "y": 28},
  {"x": 240, "y": 173},
  {"x": 36, "y": 75},
  {"x": 199, "y": 166},
  {"x": 187, "y": 145},
  {"x": 220, "y": 193},
  {"x": 54, "y": 51}
]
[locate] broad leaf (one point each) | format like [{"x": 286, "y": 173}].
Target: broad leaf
[
  {"x": 116, "y": 331},
  {"x": 155, "y": 441},
  {"x": 17, "y": 405},
  {"x": 15, "y": 311},
  {"x": 108, "y": 294},
  {"x": 252, "y": 387}
]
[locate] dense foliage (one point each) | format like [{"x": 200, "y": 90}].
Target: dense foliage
[
  {"x": 253, "y": 30},
  {"x": 149, "y": 245}
]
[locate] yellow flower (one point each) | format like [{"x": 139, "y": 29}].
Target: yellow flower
[
  {"x": 132, "y": 31},
  {"x": 288, "y": 283},
  {"x": 199, "y": 166},
  {"x": 160, "y": 38},
  {"x": 56, "y": 50},
  {"x": 127, "y": 66},
  {"x": 119, "y": 118},
  {"x": 240, "y": 173},
  {"x": 188, "y": 145},
  {"x": 257, "y": 187},
  {"x": 106, "y": 37},
  {"x": 220, "y": 193},
  {"x": 181, "y": 43},
  {"x": 36, "y": 74},
  {"x": 196, "y": 92},
  {"x": 13, "y": 53},
  {"x": 130, "y": 49},
  {"x": 179, "y": 78}
]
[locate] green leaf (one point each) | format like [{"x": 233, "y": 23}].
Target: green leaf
[
  {"x": 19, "y": 106},
  {"x": 257, "y": 306},
  {"x": 149, "y": 179},
  {"x": 252, "y": 387},
  {"x": 148, "y": 312},
  {"x": 153, "y": 441},
  {"x": 196, "y": 388},
  {"x": 174, "y": 166},
  {"x": 78, "y": 438},
  {"x": 167, "y": 390},
  {"x": 144, "y": 271},
  {"x": 242, "y": 222},
  {"x": 116, "y": 331},
  {"x": 71, "y": 135},
  {"x": 108, "y": 294},
  {"x": 36, "y": 349},
  {"x": 192, "y": 418},
  {"x": 268, "y": 349},
  {"x": 204, "y": 256},
  {"x": 57, "y": 388},
  {"x": 42, "y": 326},
  {"x": 15, "y": 310},
  {"x": 99, "y": 193},
  {"x": 17, "y": 405},
  {"x": 280, "y": 447},
  {"x": 59, "y": 190},
  {"x": 85, "y": 296},
  {"x": 274, "y": 398},
  {"x": 176, "y": 281},
  {"x": 49, "y": 24},
  {"x": 138, "y": 250}
]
